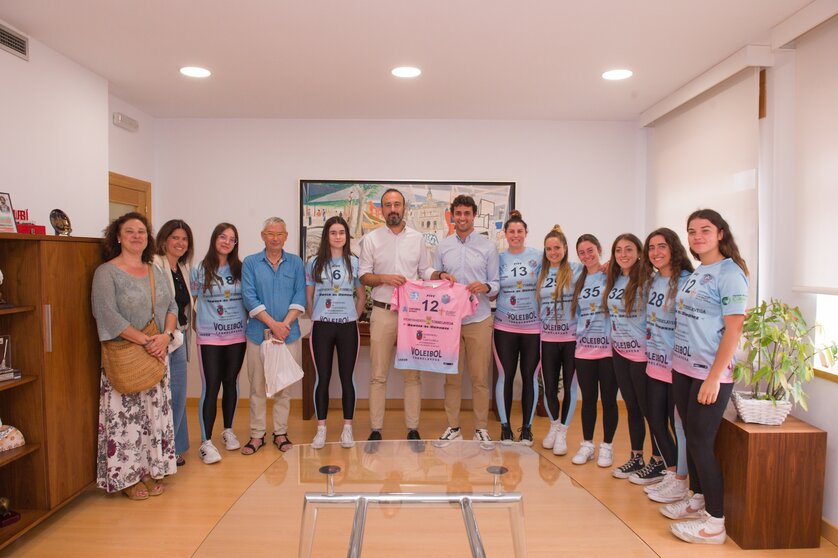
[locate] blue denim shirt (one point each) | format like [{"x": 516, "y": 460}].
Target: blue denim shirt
[
  {"x": 475, "y": 259},
  {"x": 276, "y": 292}
]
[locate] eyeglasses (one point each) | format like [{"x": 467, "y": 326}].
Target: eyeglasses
[
  {"x": 225, "y": 238},
  {"x": 274, "y": 235}
]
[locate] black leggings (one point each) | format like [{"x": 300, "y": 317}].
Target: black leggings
[
  {"x": 661, "y": 414},
  {"x": 631, "y": 379},
  {"x": 557, "y": 359},
  {"x": 220, "y": 366},
  {"x": 701, "y": 424},
  {"x": 508, "y": 348},
  {"x": 596, "y": 379},
  {"x": 325, "y": 338}
]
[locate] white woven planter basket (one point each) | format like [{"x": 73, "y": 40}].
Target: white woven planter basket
[{"x": 760, "y": 411}]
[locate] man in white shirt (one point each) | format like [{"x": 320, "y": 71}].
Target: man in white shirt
[{"x": 391, "y": 256}]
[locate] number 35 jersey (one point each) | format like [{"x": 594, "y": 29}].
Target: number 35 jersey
[
  {"x": 430, "y": 317},
  {"x": 593, "y": 335}
]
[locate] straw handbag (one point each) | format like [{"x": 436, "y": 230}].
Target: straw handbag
[{"x": 129, "y": 368}]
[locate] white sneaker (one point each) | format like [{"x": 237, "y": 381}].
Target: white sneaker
[
  {"x": 447, "y": 437},
  {"x": 585, "y": 453},
  {"x": 606, "y": 455},
  {"x": 320, "y": 437},
  {"x": 550, "y": 439},
  {"x": 668, "y": 477},
  {"x": 346, "y": 439},
  {"x": 482, "y": 435},
  {"x": 674, "y": 491},
  {"x": 687, "y": 508},
  {"x": 208, "y": 453},
  {"x": 560, "y": 447},
  {"x": 705, "y": 530},
  {"x": 230, "y": 441}
]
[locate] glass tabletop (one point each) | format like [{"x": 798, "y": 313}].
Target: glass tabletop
[{"x": 561, "y": 518}]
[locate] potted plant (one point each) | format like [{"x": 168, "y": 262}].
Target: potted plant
[{"x": 781, "y": 353}]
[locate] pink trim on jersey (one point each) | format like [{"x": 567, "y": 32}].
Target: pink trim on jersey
[
  {"x": 512, "y": 328},
  {"x": 220, "y": 340},
  {"x": 659, "y": 372},
  {"x": 632, "y": 356},
  {"x": 726, "y": 377},
  {"x": 592, "y": 353}
]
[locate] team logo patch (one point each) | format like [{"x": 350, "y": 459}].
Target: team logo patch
[
  {"x": 419, "y": 335},
  {"x": 227, "y": 295},
  {"x": 404, "y": 309},
  {"x": 219, "y": 310},
  {"x": 653, "y": 318},
  {"x": 512, "y": 300},
  {"x": 615, "y": 310},
  {"x": 428, "y": 320},
  {"x": 648, "y": 333},
  {"x": 548, "y": 311},
  {"x": 533, "y": 265},
  {"x": 680, "y": 305},
  {"x": 328, "y": 303},
  {"x": 445, "y": 299},
  {"x": 414, "y": 295},
  {"x": 592, "y": 307},
  {"x": 706, "y": 279},
  {"x": 520, "y": 285},
  {"x": 587, "y": 323}
]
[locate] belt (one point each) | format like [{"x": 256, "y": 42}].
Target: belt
[{"x": 381, "y": 304}]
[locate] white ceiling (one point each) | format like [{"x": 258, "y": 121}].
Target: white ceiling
[{"x": 493, "y": 59}]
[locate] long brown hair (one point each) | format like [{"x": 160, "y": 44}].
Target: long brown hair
[
  {"x": 324, "y": 252},
  {"x": 635, "y": 275},
  {"x": 210, "y": 262},
  {"x": 727, "y": 245},
  {"x": 563, "y": 276},
  {"x": 577, "y": 289},
  {"x": 111, "y": 247},
  {"x": 679, "y": 262}
]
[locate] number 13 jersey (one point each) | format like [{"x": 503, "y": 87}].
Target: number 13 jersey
[{"x": 430, "y": 317}]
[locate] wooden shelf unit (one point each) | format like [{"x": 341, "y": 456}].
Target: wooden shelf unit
[{"x": 54, "y": 344}]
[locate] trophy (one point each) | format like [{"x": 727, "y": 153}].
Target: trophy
[
  {"x": 7, "y": 516},
  {"x": 3, "y": 303},
  {"x": 60, "y": 222}
]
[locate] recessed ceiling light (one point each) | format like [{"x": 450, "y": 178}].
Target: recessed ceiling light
[
  {"x": 195, "y": 71},
  {"x": 614, "y": 75},
  {"x": 406, "y": 72}
]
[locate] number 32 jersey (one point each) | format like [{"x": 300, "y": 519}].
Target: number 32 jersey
[{"x": 430, "y": 317}]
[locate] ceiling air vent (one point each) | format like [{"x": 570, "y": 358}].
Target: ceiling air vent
[{"x": 14, "y": 42}]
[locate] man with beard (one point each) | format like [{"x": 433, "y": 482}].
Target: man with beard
[{"x": 391, "y": 256}]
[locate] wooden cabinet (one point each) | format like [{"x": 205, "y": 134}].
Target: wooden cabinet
[
  {"x": 54, "y": 344},
  {"x": 774, "y": 480}
]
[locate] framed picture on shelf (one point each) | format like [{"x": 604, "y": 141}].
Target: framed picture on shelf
[
  {"x": 428, "y": 208},
  {"x": 7, "y": 214}
]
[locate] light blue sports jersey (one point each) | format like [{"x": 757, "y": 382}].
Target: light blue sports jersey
[
  {"x": 334, "y": 296},
  {"x": 660, "y": 327},
  {"x": 593, "y": 327},
  {"x": 628, "y": 331},
  {"x": 557, "y": 322},
  {"x": 709, "y": 294},
  {"x": 220, "y": 317},
  {"x": 517, "y": 308}
]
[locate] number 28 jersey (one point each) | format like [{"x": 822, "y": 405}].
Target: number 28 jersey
[{"x": 430, "y": 318}]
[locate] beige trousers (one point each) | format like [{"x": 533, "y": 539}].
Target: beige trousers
[
  {"x": 383, "y": 332},
  {"x": 258, "y": 397},
  {"x": 476, "y": 348}
]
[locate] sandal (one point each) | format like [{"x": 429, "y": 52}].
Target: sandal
[
  {"x": 155, "y": 486},
  {"x": 137, "y": 491},
  {"x": 180, "y": 461},
  {"x": 285, "y": 444},
  {"x": 250, "y": 449}
]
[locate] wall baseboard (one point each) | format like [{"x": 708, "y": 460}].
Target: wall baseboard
[{"x": 829, "y": 531}]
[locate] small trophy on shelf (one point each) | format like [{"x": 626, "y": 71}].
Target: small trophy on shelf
[
  {"x": 3, "y": 303},
  {"x": 7, "y": 516},
  {"x": 6, "y": 370}
]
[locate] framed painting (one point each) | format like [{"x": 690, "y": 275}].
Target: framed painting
[{"x": 428, "y": 208}]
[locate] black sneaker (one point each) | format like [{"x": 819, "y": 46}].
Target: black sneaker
[
  {"x": 526, "y": 436},
  {"x": 371, "y": 446},
  {"x": 506, "y": 436},
  {"x": 653, "y": 472},
  {"x": 415, "y": 441},
  {"x": 634, "y": 464}
]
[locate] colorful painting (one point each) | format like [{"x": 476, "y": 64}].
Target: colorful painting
[{"x": 428, "y": 208}]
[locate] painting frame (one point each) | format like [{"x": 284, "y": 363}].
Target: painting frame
[
  {"x": 428, "y": 203},
  {"x": 8, "y": 223}
]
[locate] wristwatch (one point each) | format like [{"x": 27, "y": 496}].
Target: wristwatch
[
  {"x": 170, "y": 334},
  {"x": 488, "y": 288}
]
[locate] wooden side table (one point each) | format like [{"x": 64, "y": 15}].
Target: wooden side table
[{"x": 774, "y": 481}]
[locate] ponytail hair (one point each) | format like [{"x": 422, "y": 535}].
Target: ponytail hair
[
  {"x": 580, "y": 283},
  {"x": 514, "y": 217},
  {"x": 563, "y": 275}
]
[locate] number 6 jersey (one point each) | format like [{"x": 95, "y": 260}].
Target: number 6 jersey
[{"x": 430, "y": 316}]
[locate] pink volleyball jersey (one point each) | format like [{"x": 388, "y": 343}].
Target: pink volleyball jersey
[{"x": 430, "y": 316}]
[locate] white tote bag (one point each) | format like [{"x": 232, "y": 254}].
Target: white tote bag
[{"x": 281, "y": 370}]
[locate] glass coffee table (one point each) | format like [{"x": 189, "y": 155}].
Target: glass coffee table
[{"x": 403, "y": 498}]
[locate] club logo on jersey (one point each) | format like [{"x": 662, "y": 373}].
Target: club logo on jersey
[
  {"x": 549, "y": 311},
  {"x": 592, "y": 307},
  {"x": 587, "y": 324},
  {"x": 653, "y": 317},
  {"x": 227, "y": 295},
  {"x": 553, "y": 296},
  {"x": 328, "y": 303},
  {"x": 706, "y": 279},
  {"x": 520, "y": 285},
  {"x": 512, "y": 300},
  {"x": 219, "y": 310},
  {"x": 404, "y": 309},
  {"x": 414, "y": 295},
  {"x": 680, "y": 305},
  {"x": 533, "y": 265},
  {"x": 648, "y": 333},
  {"x": 428, "y": 320},
  {"x": 613, "y": 326},
  {"x": 419, "y": 335},
  {"x": 615, "y": 310},
  {"x": 445, "y": 299}
]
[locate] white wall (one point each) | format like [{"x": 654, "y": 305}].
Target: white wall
[
  {"x": 54, "y": 138},
  {"x": 132, "y": 153},
  {"x": 579, "y": 174}
]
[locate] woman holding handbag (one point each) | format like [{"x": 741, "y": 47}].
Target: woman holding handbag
[{"x": 132, "y": 305}]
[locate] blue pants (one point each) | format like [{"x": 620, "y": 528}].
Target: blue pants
[{"x": 177, "y": 369}]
